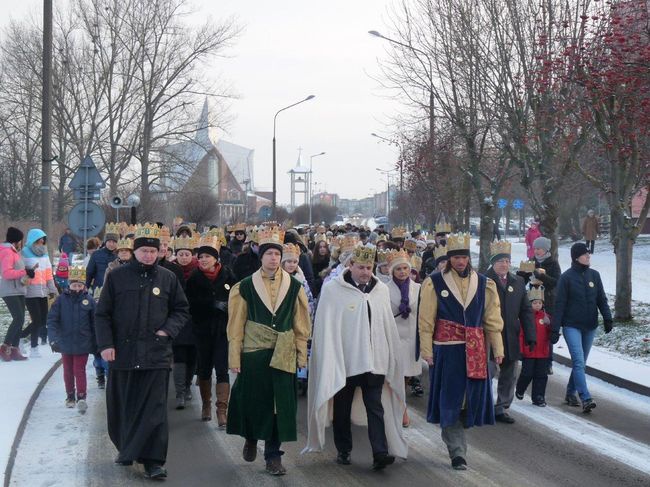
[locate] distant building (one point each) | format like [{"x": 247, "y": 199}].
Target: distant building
[{"x": 326, "y": 199}]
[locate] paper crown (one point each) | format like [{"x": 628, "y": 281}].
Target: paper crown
[
  {"x": 398, "y": 232},
  {"x": 397, "y": 257},
  {"x": 239, "y": 227},
  {"x": 443, "y": 228},
  {"x": 411, "y": 245},
  {"x": 364, "y": 255},
  {"x": 349, "y": 242},
  {"x": 536, "y": 292},
  {"x": 112, "y": 229},
  {"x": 251, "y": 234},
  {"x": 416, "y": 262},
  {"x": 147, "y": 231},
  {"x": 125, "y": 244},
  {"x": 290, "y": 251},
  {"x": 439, "y": 252},
  {"x": 185, "y": 243},
  {"x": 320, "y": 237},
  {"x": 219, "y": 233},
  {"x": 130, "y": 230},
  {"x": 500, "y": 247},
  {"x": 77, "y": 274},
  {"x": 382, "y": 238},
  {"x": 320, "y": 229},
  {"x": 165, "y": 235},
  {"x": 124, "y": 229},
  {"x": 382, "y": 256},
  {"x": 457, "y": 242},
  {"x": 527, "y": 266},
  {"x": 211, "y": 241},
  {"x": 270, "y": 235}
]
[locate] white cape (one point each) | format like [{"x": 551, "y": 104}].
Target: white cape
[
  {"x": 407, "y": 328},
  {"x": 343, "y": 345}
]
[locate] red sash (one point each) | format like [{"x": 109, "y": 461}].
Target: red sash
[{"x": 475, "y": 351}]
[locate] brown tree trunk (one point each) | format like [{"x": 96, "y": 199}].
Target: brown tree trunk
[
  {"x": 486, "y": 233},
  {"x": 623, "y": 247}
]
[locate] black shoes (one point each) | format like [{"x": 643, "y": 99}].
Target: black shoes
[
  {"x": 588, "y": 405},
  {"x": 101, "y": 381},
  {"x": 154, "y": 471},
  {"x": 250, "y": 451},
  {"x": 540, "y": 402},
  {"x": 343, "y": 458},
  {"x": 572, "y": 400},
  {"x": 274, "y": 466},
  {"x": 123, "y": 463},
  {"x": 519, "y": 395},
  {"x": 416, "y": 387},
  {"x": 382, "y": 461},
  {"x": 458, "y": 463},
  {"x": 504, "y": 418}
]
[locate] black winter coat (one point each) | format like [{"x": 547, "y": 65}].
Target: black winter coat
[
  {"x": 246, "y": 264},
  {"x": 209, "y": 302},
  {"x": 516, "y": 313},
  {"x": 137, "y": 301},
  {"x": 580, "y": 295},
  {"x": 97, "y": 267},
  {"x": 71, "y": 323},
  {"x": 185, "y": 337},
  {"x": 549, "y": 280}
]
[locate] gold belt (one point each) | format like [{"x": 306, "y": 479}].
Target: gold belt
[{"x": 261, "y": 337}]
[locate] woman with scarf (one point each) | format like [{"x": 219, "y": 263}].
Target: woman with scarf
[
  {"x": 404, "y": 294},
  {"x": 320, "y": 261},
  {"x": 207, "y": 290},
  {"x": 290, "y": 259}
]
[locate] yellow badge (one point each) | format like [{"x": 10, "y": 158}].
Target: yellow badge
[
  {"x": 227, "y": 287},
  {"x": 85, "y": 302},
  {"x": 510, "y": 289},
  {"x": 444, "y": 293},
  {"x": 351, "y": 307},
  {"x": 591, "y": 284},
  {"x": 541, "y": 321},
  {"x": 156, "y": 291}
]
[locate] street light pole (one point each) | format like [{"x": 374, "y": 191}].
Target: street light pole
[
  {"x": 311, "y": 161},
  {"x": 387, "y": 174},
  {"x": 274, "y": 204},
  {"x": 401, "y": 163},
  {"x": 46, "y": 123}
]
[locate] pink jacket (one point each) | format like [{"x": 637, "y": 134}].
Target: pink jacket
[
  {"x": 12, "y": 269},
  {"x": 532, "y": 234}
]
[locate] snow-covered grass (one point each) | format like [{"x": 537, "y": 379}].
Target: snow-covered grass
[
  {"x": 5, "y": 318},
  {"x": 628, "y": 338}
]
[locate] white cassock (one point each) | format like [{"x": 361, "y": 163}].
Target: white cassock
[{"x": 407, "y": 328}]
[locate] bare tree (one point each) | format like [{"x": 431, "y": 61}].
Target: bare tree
[{"x": 201, "y": 208}]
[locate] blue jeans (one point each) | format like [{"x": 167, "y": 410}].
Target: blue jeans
[{"x": 579, "y": 343}]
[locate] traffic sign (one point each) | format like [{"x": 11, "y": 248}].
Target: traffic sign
[
  {"x": 502, "y": 203},
  {"x": 518, "y": 204},
  {"x": 265, "y": 213},
  {"x": 87, "y": 176},
  {"x": 86, "y": 219},
  {"x": 86, "y": 194}
]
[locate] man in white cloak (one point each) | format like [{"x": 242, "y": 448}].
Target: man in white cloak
[{"x": 355, "y": 344}]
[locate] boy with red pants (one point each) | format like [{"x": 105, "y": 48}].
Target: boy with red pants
[{"x": 71, "y": 331}]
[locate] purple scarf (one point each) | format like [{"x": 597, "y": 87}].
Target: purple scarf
[{"x": 404, "y": 308}]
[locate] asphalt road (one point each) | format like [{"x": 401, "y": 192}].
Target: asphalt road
[{"x": 532, "y": 452}]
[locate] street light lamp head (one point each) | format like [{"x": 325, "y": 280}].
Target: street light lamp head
[
  {"x": 375, "y": 33},
  {"x": 374, "y": 134},
  {"x": 310, "y": 97}
]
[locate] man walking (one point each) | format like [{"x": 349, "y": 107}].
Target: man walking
[{"x": 590, "y": 230}]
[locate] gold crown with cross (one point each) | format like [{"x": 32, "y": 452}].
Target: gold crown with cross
[
  {"x": 77, "y": 273},
  {"x": 364, "y": 255},
  {"x": 458, "y": 241},
  {"x": 147, "y": 230}
]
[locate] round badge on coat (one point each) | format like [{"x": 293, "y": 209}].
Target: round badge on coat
[
  {"x": 227, "y": 287},
  {"x": 156, "y": 291},
  {"x": 510, "y": 289},
  {"x": 444, "y": 293},
  {"x": 591, "y": 284},
  {"x": 541, "y": 321},
  {"x": 85, "y": 302}
]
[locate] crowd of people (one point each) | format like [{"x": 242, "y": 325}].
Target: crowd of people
[{"x": 356, "y": 308}]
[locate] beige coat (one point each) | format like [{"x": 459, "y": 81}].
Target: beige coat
[{"x": 590, "y": 227}]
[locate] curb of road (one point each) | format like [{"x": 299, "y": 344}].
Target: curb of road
[
  {"x": 23, "y": 422},
  {"x": 607, "y": 377}
]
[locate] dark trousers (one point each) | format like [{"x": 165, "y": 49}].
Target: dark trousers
[
  {"x": 535, "y": 370},
  {"x": 16, "y": 306},
  {"x": 213, "y": 354},
  {"x": 371, "y": 386},
  {"x": 186, "y": 354},
  {"x": 590, "y": 245},
  {"x": 37, "y": 308},
  {"x": 272, "y": 445},
  {"x": 74, "y": 374}
]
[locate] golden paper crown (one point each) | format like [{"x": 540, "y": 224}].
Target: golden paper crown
[
  {"x": 500, "y": 247},
  {"x": 527, "y": 266},
  {"x": 124, "y": 244},
  {"x": 320, "y": 229},
  {"x": 211, "y": 241},
  {"x": 219, "y": 233},
  {"x": 439, "y": 251},
  {"x": 185, "y": 242},
  {"x": 443, "y": 228},
  {"x": 320, "y": 237},
  {"x": 290, "y": 250},
  {"x": 416, "y": 262},
  {"x": 398, "y": 232},
  {"x": 349, "y": 242},
  {"x": 382, "y": 256},
  {"x": 458, "y": 241},
  {"x": 397, "y": 257},
  {"x": 251, "y": 234},
  {"x": 165, "y": 235},
  {"x": 124, "y": 229},
  {"x": 147, "y": 231},
  {"x": 77, "y": 274},
  {"x": 239, "y": 227},
  {"x": 382, "y": 238},
  {"x": 536, "y": 292},
  {"x": 411, "y": 245},
  {"x": 364, "y": 255},
  {"x": 112, "y": 229},
  {"x": 270, "y": 235},
  {"x": 130, "y": 230}
]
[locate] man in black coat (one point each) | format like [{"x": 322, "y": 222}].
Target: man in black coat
[
  {"x": 517, "y": 315},
  {"x": 247, "y": 262},
  {"x": 141, "y": 309}
]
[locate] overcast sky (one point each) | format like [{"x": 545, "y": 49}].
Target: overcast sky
[{"x": 290, "y": 49}]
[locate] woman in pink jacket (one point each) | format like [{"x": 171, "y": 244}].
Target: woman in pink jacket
[{"x": 532, "y": 233}]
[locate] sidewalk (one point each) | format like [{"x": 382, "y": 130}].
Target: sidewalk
[{"x": 21, "y": 383}]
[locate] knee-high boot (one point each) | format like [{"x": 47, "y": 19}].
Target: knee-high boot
[
  {"x": 205, "y": 387},
  {"x": 223, "y": 394},
  {"x": 179, "y": 371}
]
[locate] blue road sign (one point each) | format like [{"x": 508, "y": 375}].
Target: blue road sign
[
  {"x": 518, "y": 204},
  {"x": 502, "y": 203},
  {"x": 265, "y": 212},
  {"x": 86, "y": 219},
  {"x": 87, "y": 176}
]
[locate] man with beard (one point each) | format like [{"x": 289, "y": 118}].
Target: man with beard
[{"x": 141, "y": 309}]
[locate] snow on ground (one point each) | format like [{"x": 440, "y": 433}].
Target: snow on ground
[{"x": 19, "y": 381}]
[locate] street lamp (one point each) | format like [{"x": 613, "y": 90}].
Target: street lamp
[
  {"x": 387, "y": 173},
  {"x": 274, "y": 160},
  {"x": 311, "y": 161},
  {"x": 401, "y": 163}
]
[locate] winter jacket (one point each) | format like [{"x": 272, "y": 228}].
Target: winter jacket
[
  {"x": 549, "y": 280},
  {"x": 226, "y": 257},
  {"x": 580, "y": 295},
  {"x": 531, "y": 235},
  {"x": 42, "y": 284},
  {"x": 543, "y": 331},
  {"x": 185, "y": 337},
  {"x": 590, "y": 227},
  {"x": 71, "y": 323},
  {"x": 67, "y": 244},
  {"x": 246, "y": 264},
  {"x": 209, "y": 302},
  {"x": 304, "y": 261},
  {"x": 12, "y": 272},
  {"x": 136, "y": 302},
  {"x": 96, "y": 270},
  {"x": 516, "y": 313}
]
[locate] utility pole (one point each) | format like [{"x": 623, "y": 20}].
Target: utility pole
[{"x": 46, "y": 120}]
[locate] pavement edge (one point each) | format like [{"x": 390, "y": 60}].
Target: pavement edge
[{"x": 23, "y": 422}]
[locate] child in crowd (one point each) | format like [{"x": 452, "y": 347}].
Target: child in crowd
[
  {"x": 61, "y": 274},
  {"x": 71, "y": 328},
  {"x": 535, "y": 364}
]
